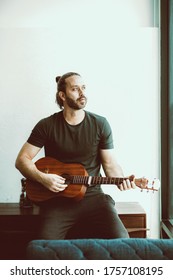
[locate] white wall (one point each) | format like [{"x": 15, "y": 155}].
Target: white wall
[{"x": 114, "y": 45}]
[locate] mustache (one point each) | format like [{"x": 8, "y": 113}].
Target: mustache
[{"x": 81, "y": 97}]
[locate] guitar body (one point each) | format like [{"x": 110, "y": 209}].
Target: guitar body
[{"x": 37, "y": 193}]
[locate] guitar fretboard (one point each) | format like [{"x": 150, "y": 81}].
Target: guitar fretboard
[{"x": 94, "y": 180}]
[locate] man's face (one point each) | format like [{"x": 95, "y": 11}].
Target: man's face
[{"x": 75, "y": 93}]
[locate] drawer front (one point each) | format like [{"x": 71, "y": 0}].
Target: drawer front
[
  {"x": 138, "y": 234},
  {"x": 135, "y": 221},
  {"x": 135, "y": 224}
]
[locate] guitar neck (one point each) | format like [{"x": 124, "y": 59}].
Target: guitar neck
[
  {"x": 95, "y": 180},
  {"x": 142, "y": 183}
]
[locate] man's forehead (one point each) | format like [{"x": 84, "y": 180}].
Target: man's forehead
[{"x": 74, "y": 80}]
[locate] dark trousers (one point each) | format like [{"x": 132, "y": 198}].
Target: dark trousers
[{"x": 93, "y": 217}]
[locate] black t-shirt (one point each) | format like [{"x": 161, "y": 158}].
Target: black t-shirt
[{"x": 74, "y": 143}]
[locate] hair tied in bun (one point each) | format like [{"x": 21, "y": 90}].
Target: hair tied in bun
[{"x": 57, "y": 78}]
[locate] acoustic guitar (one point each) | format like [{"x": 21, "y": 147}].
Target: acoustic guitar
[{"x": 77, "y": 179}]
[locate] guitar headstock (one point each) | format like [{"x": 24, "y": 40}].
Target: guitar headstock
[{"x": 146, "y": 184}]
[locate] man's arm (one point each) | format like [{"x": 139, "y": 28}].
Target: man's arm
[
  {"x": 29, "y": 170},
  {"x": 113, "y": 169}
]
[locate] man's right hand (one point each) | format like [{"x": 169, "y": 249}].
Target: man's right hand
[{"x": 53, "y": 182}]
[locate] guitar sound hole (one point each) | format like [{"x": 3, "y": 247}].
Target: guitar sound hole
[{"x": 67, "y": 178}]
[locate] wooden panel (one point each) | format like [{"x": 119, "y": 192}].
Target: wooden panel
[
  {"x": 133, "y": 221},
  {"x": 133, "y": 217}
]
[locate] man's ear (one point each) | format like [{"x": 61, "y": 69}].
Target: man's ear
[{"x": 62, "y": 95}]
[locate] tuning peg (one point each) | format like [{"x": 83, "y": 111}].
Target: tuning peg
[{"x": 156, "y": 184}]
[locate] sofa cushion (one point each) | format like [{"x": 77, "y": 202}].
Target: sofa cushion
[{"x": 101, "y": 249}]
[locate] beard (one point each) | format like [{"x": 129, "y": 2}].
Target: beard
[{"x": 76, "y": 104}]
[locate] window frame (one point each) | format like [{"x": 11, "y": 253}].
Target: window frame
[{"x": 166, "y": 24}]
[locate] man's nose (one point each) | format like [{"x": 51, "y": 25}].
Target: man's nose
[{"x": 81, "y": 91}]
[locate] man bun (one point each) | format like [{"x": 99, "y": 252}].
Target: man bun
[{"x": 57, "y": 78}]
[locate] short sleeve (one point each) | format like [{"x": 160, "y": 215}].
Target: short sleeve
[
  {"x": 39, "y": 134},
  {"x": 106, "y": 136}
]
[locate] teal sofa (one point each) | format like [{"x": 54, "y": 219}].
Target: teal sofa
[{"x": 101, "y": 249}]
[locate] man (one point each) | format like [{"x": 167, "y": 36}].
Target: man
[{"x": 74, "y": 135}]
